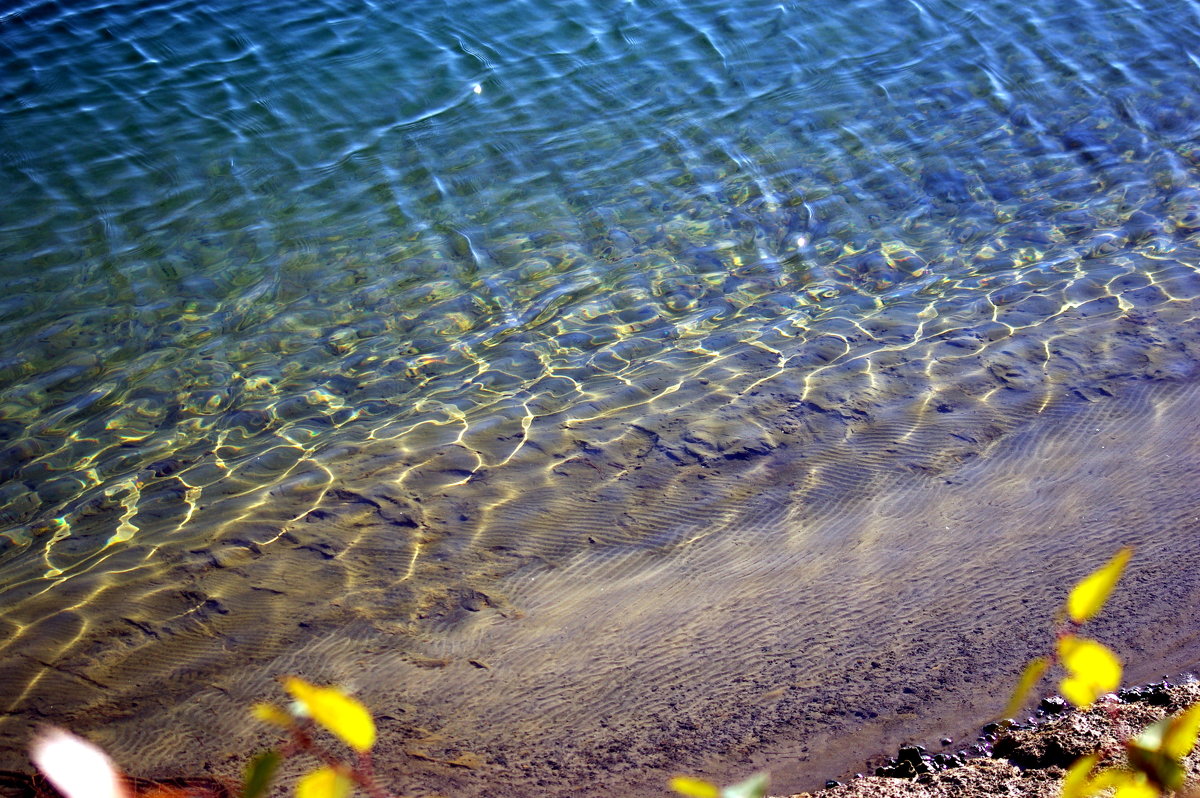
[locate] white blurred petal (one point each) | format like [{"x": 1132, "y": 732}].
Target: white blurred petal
[{"x": 77, "y": 768}]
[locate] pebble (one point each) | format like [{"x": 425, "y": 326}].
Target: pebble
[{"x": 1156, "y": 695}]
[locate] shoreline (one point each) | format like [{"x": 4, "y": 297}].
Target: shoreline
[{"x": 1028, "y": 759}]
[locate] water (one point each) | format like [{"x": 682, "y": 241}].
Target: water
[{"x": 375, "y": 316}]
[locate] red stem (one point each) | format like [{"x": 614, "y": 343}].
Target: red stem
[{"x": 361, "y": 773}]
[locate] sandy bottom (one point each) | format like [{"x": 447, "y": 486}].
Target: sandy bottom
[{"x": 799, "y": 576}]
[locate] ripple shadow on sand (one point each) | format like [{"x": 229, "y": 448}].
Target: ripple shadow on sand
[{"x": 795, "y": 565}]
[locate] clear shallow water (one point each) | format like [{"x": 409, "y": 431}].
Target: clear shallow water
[
  {"x": 388, "y": 285},
  {"x": 277, "y": 231}
]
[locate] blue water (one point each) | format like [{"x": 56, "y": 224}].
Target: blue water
[{"x": 248, "y": 246}]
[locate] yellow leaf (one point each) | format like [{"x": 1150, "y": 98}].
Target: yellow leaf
[
  {"x": 269, "y": 713},
  {"x": 339, "y": 713},
  {"x": 1078, "y": 779},
  {"x": 695, "y": 788},
  {"x": 323, "y": 783},
  {"x": 1089, "y": 595},
  {"x": 1092, "y": 670},
  {"x": 1161, "y": 770},
  {"x": 1127, "y": 784},
  {"x": 1151, "y": 737},
  {"x": 1137, "y": 789},
  {"x": 1029, "y": 677},
  {"x": 753, "y": 787},
  {"x": 1180, "y": 737}
]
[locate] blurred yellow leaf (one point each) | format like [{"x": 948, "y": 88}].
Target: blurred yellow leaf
[
  {"x": 1158, "y": 750},
  {"x": 1125, "y": 783},
  {"x": 344, "y": 716},
  {"x": 1092, "y": 670},
  {"x": 269, "y": 713},
  {"x": 1078, "y": 779},
  {"x": 1029, "y": 677},
  {"x": 1161, "y": 770},
  {"x": 1089, "y": 595},
  {"x": 695, "y": 788},
  {"x": 1151, "y": 737},
  {"x": 1180, "y": 737},
  {"x": 323, "y": 783},
  {"x": 1079, "y": 783},
  {"x": 1137, "y": 789},
  {"x": 753, "y": 787}
]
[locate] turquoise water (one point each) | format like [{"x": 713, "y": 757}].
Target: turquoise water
[{"x": 256, "y": 254}]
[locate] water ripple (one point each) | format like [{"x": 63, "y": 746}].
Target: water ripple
[{"x": 410, "y": 267}]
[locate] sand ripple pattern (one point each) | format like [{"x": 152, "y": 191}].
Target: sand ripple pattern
[{"x": 626, "y": 415}]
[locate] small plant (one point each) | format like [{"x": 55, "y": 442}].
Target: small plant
[
  {"x": 1155, "y": 756},
  {"x": 1092, "y": 668},
  {"x": 339, "y": 714}
]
